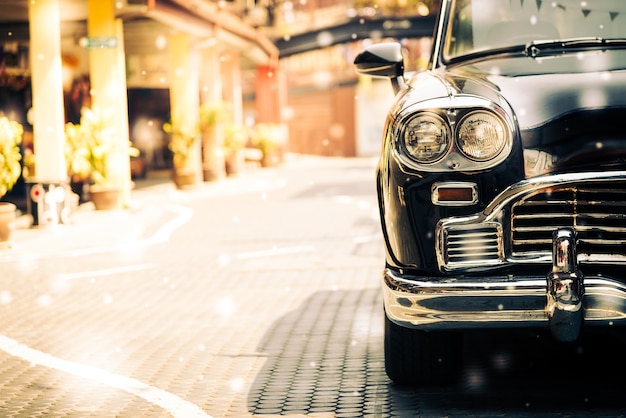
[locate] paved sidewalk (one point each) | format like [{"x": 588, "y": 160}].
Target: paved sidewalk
[
  {"x": 89, "y": 227},
  {"x": 99, "y": 228}
]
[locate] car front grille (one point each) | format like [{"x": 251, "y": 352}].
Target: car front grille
[
  {"x": 597, "y": 213},
  {"x": 474, "y": 244}
]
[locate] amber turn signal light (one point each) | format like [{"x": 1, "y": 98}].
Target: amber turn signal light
[{"x": 454, "y": 194}]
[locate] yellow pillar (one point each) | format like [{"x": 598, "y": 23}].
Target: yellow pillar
[
  {"x": 122, "y": 114},
  {"x": 211, "y": 76},
  {"x": 107, "y": 73},
  {"x": 47, "y": 89},
  {"x": 211, "y": 95},
  {"x": 184, "y": 96},
  {"x": 232, "y": 85}
]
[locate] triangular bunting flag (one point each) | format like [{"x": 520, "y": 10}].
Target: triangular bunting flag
[
  {"x": 539, "y": 4},
  {"x": 586, "y": 12},
  {"x": 613, "y": 15}
]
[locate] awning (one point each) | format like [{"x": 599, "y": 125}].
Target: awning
[
  {"x": 200, "y": 18},
  {"x": 207, "y": 20},
  {"x": 355, "y": 29}
]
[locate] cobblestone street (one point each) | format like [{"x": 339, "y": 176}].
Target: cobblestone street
[
  {"x": 223, "y": 300},
  {"x": 258, "y": 295}
]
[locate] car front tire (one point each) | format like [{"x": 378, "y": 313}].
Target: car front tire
[{"x": 416, "y": 357}]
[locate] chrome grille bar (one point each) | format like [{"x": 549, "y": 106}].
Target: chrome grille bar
[
  {"x": 598, "y": 214},
  {"x": 467, "y": 245}
]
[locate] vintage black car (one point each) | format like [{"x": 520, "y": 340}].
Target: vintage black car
[{"x": 502, "y": 178}]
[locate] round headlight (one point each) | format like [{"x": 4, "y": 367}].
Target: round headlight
[
  {"x": 426, "y": 137},
  {"x": 482, "y": 136}
]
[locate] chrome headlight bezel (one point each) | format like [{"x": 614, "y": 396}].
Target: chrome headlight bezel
[
  {"x": 426, "y": 137},
  {"x": 459, "y": 154},
  {"x": 481, "y": 126}
]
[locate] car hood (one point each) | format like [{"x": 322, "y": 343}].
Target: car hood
[
  {"x": 543, "y": 90},
  {"x": 570, "y": 109}
]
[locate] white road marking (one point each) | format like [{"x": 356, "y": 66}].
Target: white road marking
[
  {"x": 173, "y": 404},
  {"x": 168, "y": 401},
  {"x": 162, "y": 235},
  {"x": 165, "y": 231}
]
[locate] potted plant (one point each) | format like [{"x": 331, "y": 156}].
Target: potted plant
[
  {"x": 91, "y": 147},
  {"x": 182, "y": 143},
  {"x": 211, "y": 119},
  {"x": 235, "y": 139},
  {"x": 10, "y": 171},
  {"x": 267, "y": 137}
]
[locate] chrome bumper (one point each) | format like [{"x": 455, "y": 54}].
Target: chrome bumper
[{"x": 562, "y": 299}]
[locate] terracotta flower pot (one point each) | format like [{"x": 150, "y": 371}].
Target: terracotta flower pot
[
  {"x": 7, "y": 216},
  {"x": 105, "y": 197},
  {"x": 184, "y": 178},
  {"x": 234, "y": 162},
  {"x": 270, "y": 159}
]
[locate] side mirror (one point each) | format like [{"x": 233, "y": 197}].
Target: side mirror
[{"x": 382, "y": 60}]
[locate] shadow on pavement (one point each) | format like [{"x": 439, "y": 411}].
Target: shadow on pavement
[
  {"x": 327, "y": 357},
  {"x": 527, "y": 372}
]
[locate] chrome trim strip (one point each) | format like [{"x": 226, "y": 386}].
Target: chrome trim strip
[
  {"x": 491, "y": 302},
  {"x": 441, "y": 26},
  {"x": 513, "y": 192}
]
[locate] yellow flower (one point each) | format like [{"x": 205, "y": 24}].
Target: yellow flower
[{"x": 10, "y": 155}]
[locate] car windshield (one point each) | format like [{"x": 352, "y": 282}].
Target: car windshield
[{"x": 482, "y": 25}]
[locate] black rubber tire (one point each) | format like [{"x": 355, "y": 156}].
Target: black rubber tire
[{"x": 416, "y": 357}]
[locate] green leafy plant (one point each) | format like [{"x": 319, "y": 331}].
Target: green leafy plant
[
  {"x": 235, "y": 138},
  {"x": 10, "y": 155},
  {"x": 211, "y": 121},
  {"x": 181, "y": 143},
  {"x": 90, "y": 144},
  {"x": 267, "y": 137},
  {"x": 213, "y": 113}
]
